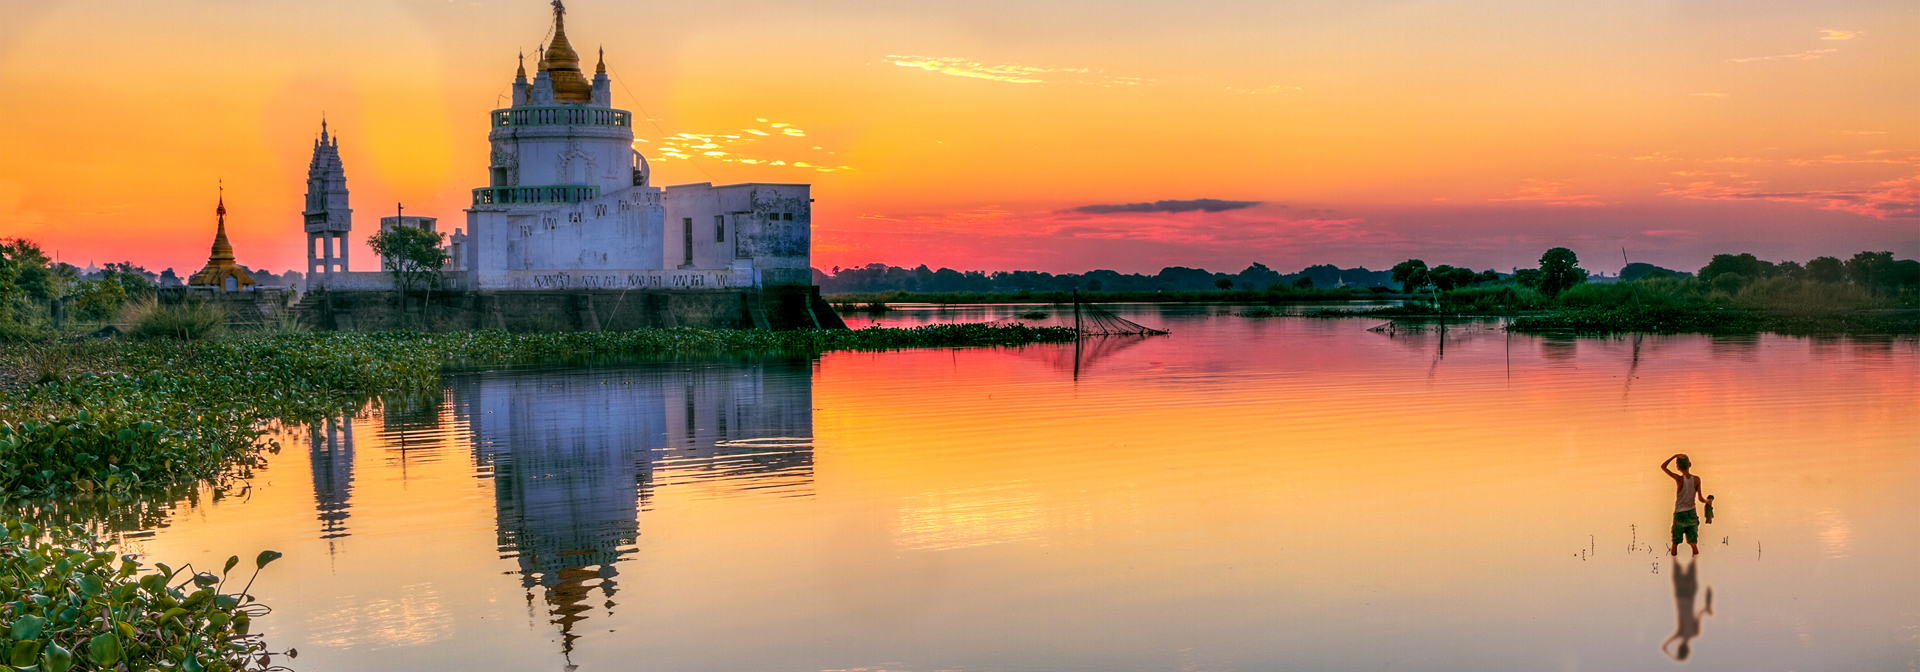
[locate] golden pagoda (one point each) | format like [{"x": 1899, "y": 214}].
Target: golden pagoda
[
  {"x": 561, "y": 63},
  {"x": 220, "y": 264}
]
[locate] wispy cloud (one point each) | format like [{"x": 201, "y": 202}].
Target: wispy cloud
[
  {"x": 1831, "y": 34},
  {"x": 1551, "y": 193},
  {"x": 1012, "y": 73},
  {"x": 1198, "y": 204},
  {"x": 1802, "y": 56},
  {"x": 1270, "y": 90},
  {"x": 740, "y": 147},
  {"x": 1893, "y": 199}
]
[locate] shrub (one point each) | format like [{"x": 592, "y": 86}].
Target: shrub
[
  {"x": 1729, "y": 282},
  {"x": 15, "y": 332},
  {"x": 1650, "y": 293},
  {"x": 74, "y": 605},
  {"x": 1782, "y": 293},
  {"x": 189, "y": 321}
]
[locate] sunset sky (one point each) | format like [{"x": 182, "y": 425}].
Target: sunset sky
[{"x": 974, "y": 135}]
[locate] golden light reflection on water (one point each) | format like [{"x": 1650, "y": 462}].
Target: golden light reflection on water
[{"x": 1244, "y": 494}]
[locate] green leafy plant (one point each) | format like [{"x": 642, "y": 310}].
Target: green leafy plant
[{"x": 71, "y": 604}]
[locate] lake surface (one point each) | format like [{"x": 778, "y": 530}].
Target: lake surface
[{"x": 1245, "y": 494}]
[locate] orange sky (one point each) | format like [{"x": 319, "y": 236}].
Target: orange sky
[{"x": 963, "y": 134}]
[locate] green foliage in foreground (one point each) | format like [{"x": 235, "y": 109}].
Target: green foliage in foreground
[
  {"x": 93, "y": 416},
  {"x": 72, "y": 605}
]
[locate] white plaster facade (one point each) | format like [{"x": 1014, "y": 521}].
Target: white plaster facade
[{"x": 568, "y": 197}]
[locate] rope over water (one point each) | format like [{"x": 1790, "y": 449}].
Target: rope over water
[{"x": 1092, "y": 320}]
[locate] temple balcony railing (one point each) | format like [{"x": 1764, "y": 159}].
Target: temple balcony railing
[
  {"x": 545, "y": 195},
  {"x": 564, "y": 115}
]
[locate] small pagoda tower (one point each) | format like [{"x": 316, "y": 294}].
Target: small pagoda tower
[{"x": 220, "y": 271}]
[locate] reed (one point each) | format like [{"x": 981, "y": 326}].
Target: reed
[{"x": 194, "y": 320}]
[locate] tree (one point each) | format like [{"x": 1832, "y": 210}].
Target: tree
[
  {"x": 1826, "y": 269},
  {"x": 1560, "y": 270},
  {"x": 24, "y": 275},
  {"x": 1792, "y": 270},
  {"x": 1303, "y": 282},
  {"x": 1446, "y": 278},
  {"x": 1527, "y": 277},
  {"x": 118, "y": 283},
  {"x": 1747, "y": 265},
  {"x": 1412, "y": 274},
  {"x": 99, "y": 299},
  {"x": 1870, "y": 269},
  {"x": 413, "y": 255},
  {"x": 1223, "y": 282}
]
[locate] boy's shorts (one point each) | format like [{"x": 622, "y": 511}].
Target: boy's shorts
[{"x": 1686, "y": 523}]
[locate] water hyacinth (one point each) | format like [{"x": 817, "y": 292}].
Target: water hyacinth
[
  {"x": 153, "y": 413},
  {"x": 70, "y": 604}
]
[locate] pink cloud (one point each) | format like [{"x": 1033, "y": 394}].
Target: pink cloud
[
  {"x": 1551, "y": 193},
  {"x": 1893, "y": 199}
]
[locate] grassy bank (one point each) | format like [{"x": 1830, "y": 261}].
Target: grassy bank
[
  {"x": 1776, "y": 305},
  {"x": 1274, "y": 295},
  {"x": 117, "y": 415}
]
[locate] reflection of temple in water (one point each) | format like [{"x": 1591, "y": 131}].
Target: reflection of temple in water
[
  {"x": 574, "y": 454},
  {"x": 330, "y": 448}
]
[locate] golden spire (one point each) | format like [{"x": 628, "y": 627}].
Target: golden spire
[
  {"x": 220, "y": 264},
  {"x": 601, "y": 69},
  {"x": 222, "y": 250},
  {"x": 563, "y": 64},
  {"x": 522, "y": 72}
]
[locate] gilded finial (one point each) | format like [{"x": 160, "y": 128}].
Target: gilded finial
[
  {"x": 522, "y": 72},
  {"x": 600, "y": 69},
  {"x": 222, "y": 209}
]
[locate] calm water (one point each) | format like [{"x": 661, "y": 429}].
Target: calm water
[{"x": 1246, "y": 494}]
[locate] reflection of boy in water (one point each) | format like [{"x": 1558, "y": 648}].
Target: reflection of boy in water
[
  {"x": 1686, "y": 522},
  {"x": 1685, "y": 584}
]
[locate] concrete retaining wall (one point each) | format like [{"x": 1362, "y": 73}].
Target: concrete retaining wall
[
  {"x": 567, "y": 310},
  {"x": 244, "y": 308}
]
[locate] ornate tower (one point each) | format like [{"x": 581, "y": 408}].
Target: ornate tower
[
  {"x": 565, "y": 188},
  {"x": 328, "y": 219},
  {"x": 562, "y": 142}
]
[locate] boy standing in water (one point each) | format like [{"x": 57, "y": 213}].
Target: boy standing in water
[{"x": 1686, "y": 522}]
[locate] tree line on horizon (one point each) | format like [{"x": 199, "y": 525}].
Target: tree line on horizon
[
  {"x": 876, "y": 278},
  {"x": 1558, "y": 270}
]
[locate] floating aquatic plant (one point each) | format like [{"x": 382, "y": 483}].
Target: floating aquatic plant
[{"x": 70, "y": 604}]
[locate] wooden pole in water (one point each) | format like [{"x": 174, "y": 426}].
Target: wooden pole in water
[{"x": 1076, "y": 312}]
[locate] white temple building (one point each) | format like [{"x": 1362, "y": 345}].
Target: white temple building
[
  {"x": 569, "y": 204},
  {"x": 569, "y": 211}
]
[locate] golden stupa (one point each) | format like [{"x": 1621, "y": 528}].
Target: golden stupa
[
  {"x": 220, "y": 264},
  {"x": 561, "y": 63}
]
